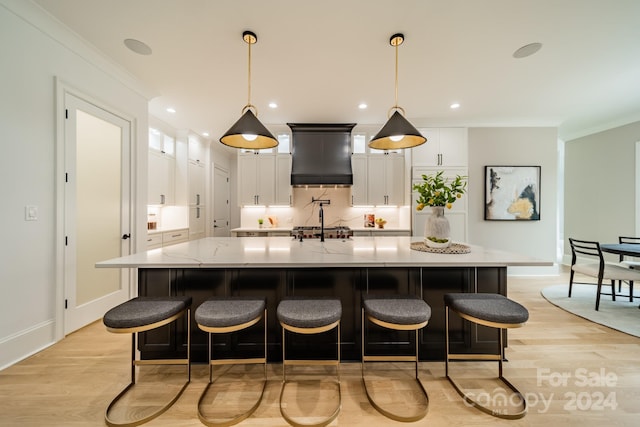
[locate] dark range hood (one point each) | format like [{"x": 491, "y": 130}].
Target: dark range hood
[{"x": 321, "y": 154}]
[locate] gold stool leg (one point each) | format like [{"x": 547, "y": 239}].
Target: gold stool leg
[
  {"x": 394, "y": 416},
  {"x": 499, "y": 357},
  {"x": 326, "y": 421},
  {"x": 246, "y": 414},
  {"x": 109, "y": 419}
]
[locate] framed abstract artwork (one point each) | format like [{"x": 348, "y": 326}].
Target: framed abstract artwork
[{"x": 512, "y": 193}]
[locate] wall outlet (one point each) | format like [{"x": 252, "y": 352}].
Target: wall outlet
[{"x": 30, "y": 213}]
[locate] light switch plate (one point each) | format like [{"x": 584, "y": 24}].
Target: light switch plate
[{"x": 31, "y": 213}]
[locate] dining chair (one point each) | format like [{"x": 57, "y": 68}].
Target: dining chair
[
  {"x": 630, "y": 263},
  {"x": 587, "y": 259}
]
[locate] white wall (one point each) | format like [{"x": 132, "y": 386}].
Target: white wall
[
  {"x": 35, "y": 50},
  {"x": 600, "y": 191},
  {"x": 515, "y": 147}
]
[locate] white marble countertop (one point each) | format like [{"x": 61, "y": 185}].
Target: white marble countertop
[{"x": 285, "y": 252}]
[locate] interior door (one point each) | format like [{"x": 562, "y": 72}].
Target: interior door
[
  {"x": 96, "y": 210},
  {"x": 220, "y": 202}
]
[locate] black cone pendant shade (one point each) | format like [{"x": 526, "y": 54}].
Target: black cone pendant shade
[
  {"x": 248, "y": 132},
  {"x": 397, "y": 133}
]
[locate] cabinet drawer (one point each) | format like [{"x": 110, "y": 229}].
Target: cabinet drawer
[
  {"x": 154, "y": 240},
  {"x": 176, "y": 236}
]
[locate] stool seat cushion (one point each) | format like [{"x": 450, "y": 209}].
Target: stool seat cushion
[
  {"x": 397, "y": 309},
  {"x": 142, "y": 311},
  {"x": 229, "y": 311},
  {"x": 488, "y": 307},
  {"x": 309, "y": 312}
]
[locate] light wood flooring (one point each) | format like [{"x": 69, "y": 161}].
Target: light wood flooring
[{"x": 573, "y": 373}]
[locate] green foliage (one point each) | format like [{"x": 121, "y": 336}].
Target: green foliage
[{"x": 438, "y": 191}]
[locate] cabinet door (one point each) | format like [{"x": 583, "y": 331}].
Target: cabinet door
[
  {"x": 394, "y": 177},
  {"x": 196, "y": 223},
  {"x": 457, "y": 222},
  {"x": 197, "y": 181},
  {"x": 454, "y": 147},
  {"x": 376, "y": 180},
  {"x": 196, "y": 152},
  {"x": 161, "y": 179},
  {"x": 266, "y": 179},
  {"x": 427, "y": 154},
  {"x": 247, "y": 178},
  {"x": 256, "y": 179},
  {"x": 283, "y": 179},
  {"x": 359, "y": 187},
  {"x": 385, "y": 179}
]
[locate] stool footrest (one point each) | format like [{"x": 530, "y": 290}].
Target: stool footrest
[
  {"x": 161, "y": 362},
  {"x": 136, "y": 422},
  {"x": 290, "y": 362},
  {"x": 389, "y": 358},
  {"x": 494, "y": 412},
  {"x": 252, "y": 361},
  {"x": 473, "y": 356}
]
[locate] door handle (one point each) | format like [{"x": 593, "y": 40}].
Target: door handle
[{"x": 126, "y": 236}]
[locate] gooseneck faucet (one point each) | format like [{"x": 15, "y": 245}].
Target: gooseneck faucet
[{"x": 322, "y": 202}]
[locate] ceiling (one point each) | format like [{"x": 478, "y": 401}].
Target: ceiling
[{"x": 319, "y": 60}]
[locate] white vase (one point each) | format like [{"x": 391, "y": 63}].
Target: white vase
[{"x": 437, "y": 226}]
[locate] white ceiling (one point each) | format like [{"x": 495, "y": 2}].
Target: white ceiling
[{"x": 318, "y": 60}]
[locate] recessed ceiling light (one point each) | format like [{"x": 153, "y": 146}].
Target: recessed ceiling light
[
  {"x": 527, "y": 50},
  {"x": 273, "y": 105},
  {"x": 362, "y": 106},
  {"x": 205, "y": 133},
  {"x": 454, "y": 105},
  {"x": 171, "y": 110},
  {"x": 137, "y": 46}
]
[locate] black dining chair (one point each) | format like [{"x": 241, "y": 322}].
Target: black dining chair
[
  {"x": 629, "y": 263},
  {"x": 587, "y": 259}
]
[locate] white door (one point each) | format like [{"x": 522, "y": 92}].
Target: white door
[
  {"x": 220, "y": 202},
  {"x": 96, "y": 210}
]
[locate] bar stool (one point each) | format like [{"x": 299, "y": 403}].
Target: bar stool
[
  {"x": 495, "y": 311},
  {"x": 399, "y": 313},
  {"x": 222, "y": 315},
  {"x": 309, "y": 316},
  {"x": 139, "y": 315}
]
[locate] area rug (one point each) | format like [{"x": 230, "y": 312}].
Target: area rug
[{"x": 620, "y": 315}]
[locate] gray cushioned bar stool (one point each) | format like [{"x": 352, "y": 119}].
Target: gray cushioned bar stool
[
  {"x": 495, "y": 311},
  {"x": 400, "y": 313},
  {"x": 307, "y": 315},
  {"x": 223, "y": 315},
  {"x": 144, "y": 314}
]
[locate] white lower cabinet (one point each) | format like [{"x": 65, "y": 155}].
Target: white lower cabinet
[{"x": 167, "y": 238}]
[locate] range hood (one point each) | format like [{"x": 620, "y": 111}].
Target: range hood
[{"x": 321, "y": 154}]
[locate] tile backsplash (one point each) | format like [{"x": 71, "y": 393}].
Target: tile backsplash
[{"x": 338, "y": 212}]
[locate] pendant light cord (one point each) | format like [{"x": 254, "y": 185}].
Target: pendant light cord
[
  {"x": 396, "y": 106},
  {"x": 249, "y": 77}
]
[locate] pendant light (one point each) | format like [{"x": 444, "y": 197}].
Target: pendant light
[
  {"x": 397, "y": 133},
  {"x": 248, "y": 132}
]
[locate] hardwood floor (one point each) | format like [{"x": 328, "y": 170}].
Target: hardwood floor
[{"x": 572, "y": 372}]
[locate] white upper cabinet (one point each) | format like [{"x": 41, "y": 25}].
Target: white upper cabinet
[
  {"x": 385, "y": 179},
  {"x": 283, "y": 180},
  {"x": 256, "y": 175},
  {"x": 447, "y": 147},
  {"x": 196, "y": 150},
  {"x": 161, "y": 170},
  {"x": 359, "y": 187}
]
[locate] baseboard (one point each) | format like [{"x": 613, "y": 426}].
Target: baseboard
[{"x": 23, "y": 344}]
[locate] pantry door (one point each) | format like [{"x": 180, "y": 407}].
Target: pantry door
[{"x": 96, "y": 210}]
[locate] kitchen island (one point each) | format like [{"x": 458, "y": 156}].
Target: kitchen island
[{"x": 276, "y": 267}]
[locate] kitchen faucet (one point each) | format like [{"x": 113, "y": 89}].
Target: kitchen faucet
[{"x": 322, "y": 202}]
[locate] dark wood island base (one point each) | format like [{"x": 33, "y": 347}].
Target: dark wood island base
[{"x": 346, "y": 283}]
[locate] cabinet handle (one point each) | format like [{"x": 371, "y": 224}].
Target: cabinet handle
[
  {"x": 125, "y": 236},
  {"x": 162, "y": 199},
  {"x": 197, "y": 212},
  {"x": 197, "y": 199}
]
